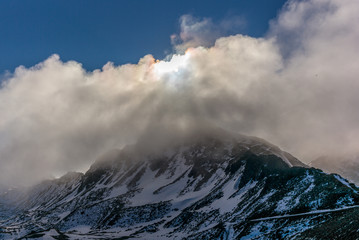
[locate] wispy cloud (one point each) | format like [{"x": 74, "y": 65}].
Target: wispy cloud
[{"x": 203, "y": 32}]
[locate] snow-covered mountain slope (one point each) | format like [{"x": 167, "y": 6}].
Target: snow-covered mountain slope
[{"x": 210, "y": 188}]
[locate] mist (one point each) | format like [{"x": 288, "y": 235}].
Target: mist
[{"x": 297, "y": 87}]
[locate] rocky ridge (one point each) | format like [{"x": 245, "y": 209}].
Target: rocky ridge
[{"x": 236, "y": 187}]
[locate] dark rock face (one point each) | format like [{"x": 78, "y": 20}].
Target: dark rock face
[{"x": 233, "y": 188}]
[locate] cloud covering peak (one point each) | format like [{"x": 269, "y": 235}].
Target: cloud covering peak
[{"x": 297, "y": 88}]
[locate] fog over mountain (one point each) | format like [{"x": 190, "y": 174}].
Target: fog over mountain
[{"x": 296, "y": 87}]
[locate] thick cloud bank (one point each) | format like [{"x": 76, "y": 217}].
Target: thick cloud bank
[{"x": 297, "y": 87}]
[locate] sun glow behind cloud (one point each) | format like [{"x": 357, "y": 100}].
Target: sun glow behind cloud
[{"x": 173, "y": 66}]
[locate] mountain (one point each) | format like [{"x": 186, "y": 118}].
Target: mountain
[
  {"x": 227, "y": 187},
  {"x": 346, "y": 166}
]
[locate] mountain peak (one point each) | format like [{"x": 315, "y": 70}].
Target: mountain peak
[
  {"x": 216, "y": 142},
  {"x": 204, "y": 188}
]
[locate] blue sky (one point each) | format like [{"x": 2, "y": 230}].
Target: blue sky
[{"x": 94, "y": 32}]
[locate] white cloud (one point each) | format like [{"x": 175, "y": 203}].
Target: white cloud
[{"x": 297, "y": 88}]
